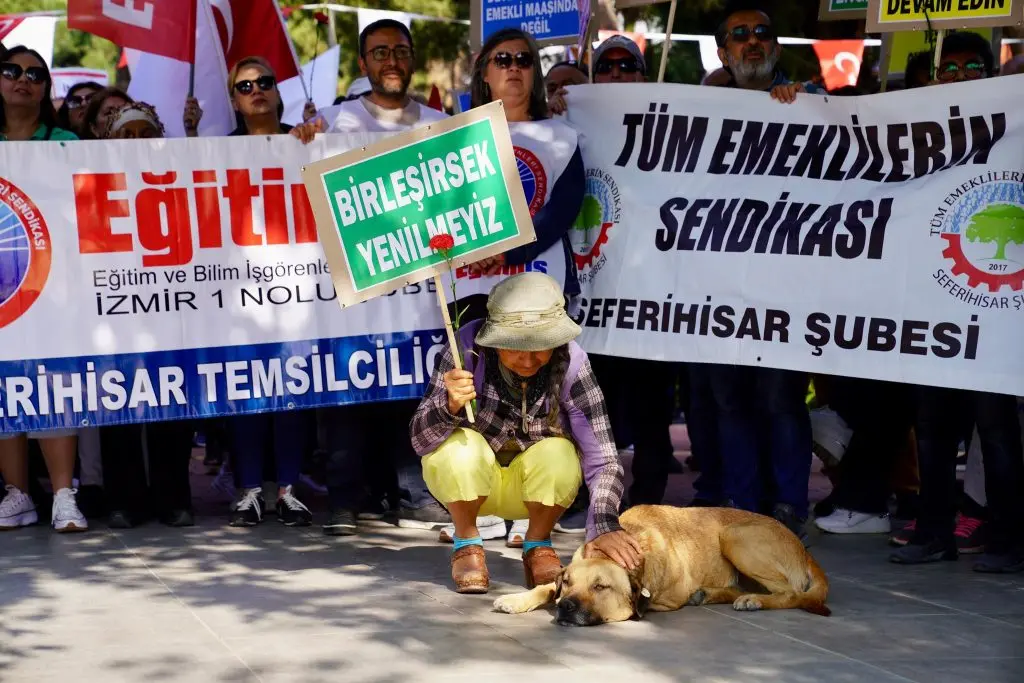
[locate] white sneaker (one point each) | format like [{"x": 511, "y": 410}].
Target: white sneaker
[
  {"x": 490, "y": 527},
  {"x": 66, "y": 515},
  {"x": 849, "y": 522},
  {"x": 517, "y": 534},
  {"x": 17, "y": 510}
]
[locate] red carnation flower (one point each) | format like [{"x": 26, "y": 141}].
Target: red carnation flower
[
  {"x": 442, "y": 242},
  {"x": 321, "y": 18},
  {"x": 287, "y": 11}
]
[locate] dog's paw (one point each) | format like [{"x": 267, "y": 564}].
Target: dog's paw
[
  {"x": 748, "y": 603},
  {"x": 511, "y": 604}
]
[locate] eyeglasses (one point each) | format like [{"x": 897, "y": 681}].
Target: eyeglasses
[
  {"x": 972, "y": 70},
  {"x": 762, "y": 33},
  {"x": 626, "y": 65},
  {"x": 505, "y": 60},
  {"x": 264, "y": 83},
  {"x": 383, "y": 53},
  {"x": 12, "y": 72},
  {"x": 77, "y": 101}
]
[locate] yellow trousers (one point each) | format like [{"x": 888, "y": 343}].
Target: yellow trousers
[{"x": 464, "y": 468}]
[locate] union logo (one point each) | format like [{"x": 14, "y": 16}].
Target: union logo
[
  {"x": 533, "y": 178},
  {"x": 983, "y": 231},
  {"x": 600, "y": 213},
  {"x": 24, "y": 253}
]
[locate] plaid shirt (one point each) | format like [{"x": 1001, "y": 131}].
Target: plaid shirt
[{"x": 583, "y": 417}]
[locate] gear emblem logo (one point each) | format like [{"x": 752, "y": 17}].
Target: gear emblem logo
[
  {"x": 983, "y": 233},
  {"x": 601, "y": 212},
  {"x": 24, "y": 253}
]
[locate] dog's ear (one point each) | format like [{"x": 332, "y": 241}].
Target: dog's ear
[
  {"x": 640, "y": 595},
  {"x": 558, "y": 584}
]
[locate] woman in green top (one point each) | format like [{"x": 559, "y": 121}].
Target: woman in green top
[{"x": 27, "y": 112}]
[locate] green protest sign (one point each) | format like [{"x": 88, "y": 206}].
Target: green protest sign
[
  {"x": 377, "y": 207},
  {"x": 838, "y": 10}
]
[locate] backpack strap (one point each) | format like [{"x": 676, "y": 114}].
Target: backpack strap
[{"x": 49, "y": 133}]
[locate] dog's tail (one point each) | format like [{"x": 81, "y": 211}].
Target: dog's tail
[{"x": 812, "y": 599}]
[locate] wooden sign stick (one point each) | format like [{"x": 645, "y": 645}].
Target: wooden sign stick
[{"x": 453, "y": 343}]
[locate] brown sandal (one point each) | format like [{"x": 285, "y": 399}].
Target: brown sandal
[
  {"x": 469, "y": 570},
  {"x": 541, "y": 566}
]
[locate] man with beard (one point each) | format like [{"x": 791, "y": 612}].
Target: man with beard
[
  {"x": 749, "y": 50},
  {"x": 358, "y": 477},
  {"x": 760, "y": 415},
  {"x": 387, "y": 58}
]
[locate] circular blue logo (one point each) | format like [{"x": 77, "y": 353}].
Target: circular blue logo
[{"x": 15, "y": 253}]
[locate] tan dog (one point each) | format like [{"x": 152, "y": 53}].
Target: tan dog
[{"x": 692, "y": 556}]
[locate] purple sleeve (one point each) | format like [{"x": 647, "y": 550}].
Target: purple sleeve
[{"x": 592, "y": 431}]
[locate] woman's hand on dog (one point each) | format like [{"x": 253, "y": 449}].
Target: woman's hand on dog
[
  {"x": 618, "y": 546},
  {"x": 459, "y": 384}
]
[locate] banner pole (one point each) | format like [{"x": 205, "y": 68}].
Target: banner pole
[
  {"x": 191, "y": 78},
  {"x": 452, "y": 342},
  {"x": 668, "y": 42},
  {"x": 940, "y": 36},
  {"x": 884, "y": 55}
]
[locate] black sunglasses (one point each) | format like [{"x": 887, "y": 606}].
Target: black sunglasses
[
  {"x": 77, "y": 101},
  {"x": 504, "y": 60},
  {"x": 382, "y": 53},
  {"x": 264, "y": 83},
  {"x": 972, "y": 69},
  {"x": 627, "y": 65},
  {"x": 12, "y": 72},
  {"x": 762, "y": 32}
]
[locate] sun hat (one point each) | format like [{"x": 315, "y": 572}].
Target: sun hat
[{"x": 526, "y": 312}]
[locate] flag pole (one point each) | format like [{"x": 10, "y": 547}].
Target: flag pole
[{"x": 668, "y": 42}]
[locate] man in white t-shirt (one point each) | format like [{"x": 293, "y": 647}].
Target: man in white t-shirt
[
  {"x": 387, "y": 58},
  {"x": 363, "y": 462}
]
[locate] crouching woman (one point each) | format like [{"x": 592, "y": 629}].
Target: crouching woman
[{"x": 541, "y": 425}]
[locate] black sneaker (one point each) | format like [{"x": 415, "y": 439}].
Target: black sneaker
[
  {"x": 248, "y": 511},
  {"x": 291, "y": 511},
  {"x": 178, "y": 518},
  {"x": 341, "y": 523},
  {"x": 921, "y": 550},
  {"x": 431, "y": 516},
  {"x": 785, "y": 514},
  {"x": 1009, "y": 562},
  {"x": 120, "y": 519},
  {"x": 376, "y": 509}
]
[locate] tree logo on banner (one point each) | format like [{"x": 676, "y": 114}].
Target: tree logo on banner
[
  {"x": 24, "y": 253},
  {"x": 983, "y": 229},
  {"x": 533, "y": 178},
  {"x": 601, "y": 212}
]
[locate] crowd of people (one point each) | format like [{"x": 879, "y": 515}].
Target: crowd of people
[{"x": 541, "y": 399}]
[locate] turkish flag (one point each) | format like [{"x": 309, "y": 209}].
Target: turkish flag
[
  {"x": 840, "y": 61},
  {"x": 255, "y": 28},
  {"x": 162, "y": 27}
]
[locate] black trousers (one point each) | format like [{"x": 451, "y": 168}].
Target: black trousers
[
  {"x": 880, "y": 415},
  {"x": 938, "y": 434},
  {"x": 124, "y": 474},
  {"x": 644, "y": 392},
  {"x": 365, "y": 444}
]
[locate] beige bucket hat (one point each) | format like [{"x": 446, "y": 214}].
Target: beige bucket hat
[{"x": 526, "y": 312}]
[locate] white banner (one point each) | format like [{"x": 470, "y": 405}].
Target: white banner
[
  {"x": 878, "y": 237},
  {"x": 68, "y": 77},
  {"x": 160, "y": 279}
]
